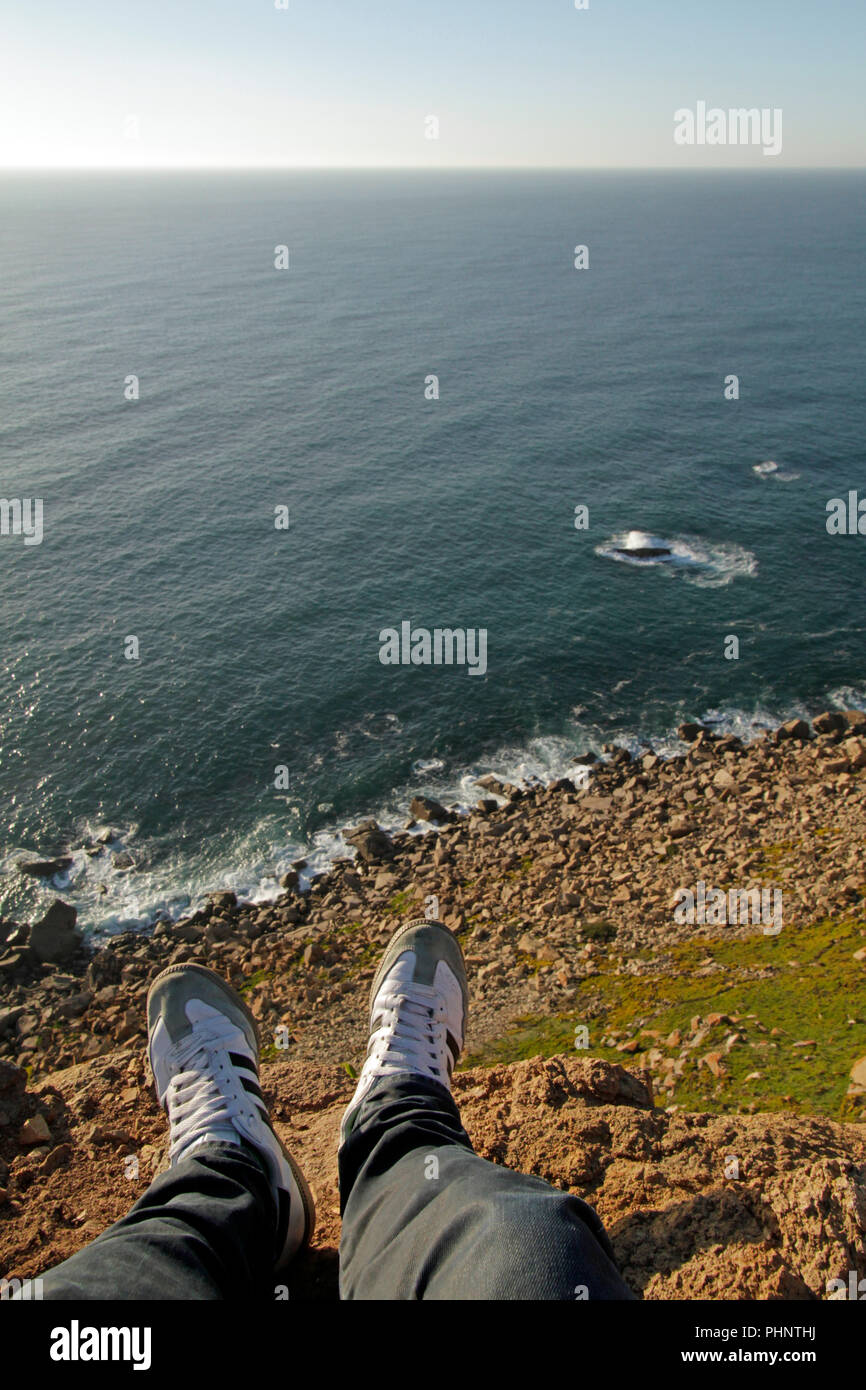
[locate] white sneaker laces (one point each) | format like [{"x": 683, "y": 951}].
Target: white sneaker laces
[
  {"x": 205, "y": 1093},
  {"x": 410, "y": 1033}
]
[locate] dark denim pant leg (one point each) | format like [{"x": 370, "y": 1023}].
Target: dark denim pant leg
[
  {"x": 204, "y": 1229},
  {"x": 425, "y": 1217}
]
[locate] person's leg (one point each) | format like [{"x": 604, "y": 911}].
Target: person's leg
[
  {"x": 233, "y": 1207},
  {"x": 203, "y": 1230},
  {"x": 423, "y": 1215}
]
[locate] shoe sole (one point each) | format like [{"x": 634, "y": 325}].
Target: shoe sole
[{"x": 307, "y": 1200}]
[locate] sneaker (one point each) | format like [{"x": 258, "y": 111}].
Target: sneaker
[
  {"x": 418, "y": 1007},
  {"x": 204, "y": 1053}
]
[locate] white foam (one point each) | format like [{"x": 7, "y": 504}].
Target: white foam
[
  {"x": 259, "y": 859},
  {"x": 697, "y": 561},
  {"x": 772, "y": 470}
]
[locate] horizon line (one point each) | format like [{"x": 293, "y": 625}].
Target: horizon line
[{"x": 425, "y": 169}]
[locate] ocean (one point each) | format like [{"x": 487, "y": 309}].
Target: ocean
[{"x": 431, "y": 388}]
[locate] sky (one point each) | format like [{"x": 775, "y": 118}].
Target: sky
[{"x": 353, "y": 83}]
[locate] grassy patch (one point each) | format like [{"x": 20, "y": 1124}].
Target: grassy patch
[
  {"x": 402, "y": 902},
  {"x": 258, "y": 977},
  {"x": 349, "y": 928},
  {"x": 600, "y": 931},
  {"x": 804, "y": 983},
  {"x": 371, "y": 953}
]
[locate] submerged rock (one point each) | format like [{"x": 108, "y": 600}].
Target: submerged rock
[
  {"x": 44, "y": 868},
  {"x": 643, "y": 552}
]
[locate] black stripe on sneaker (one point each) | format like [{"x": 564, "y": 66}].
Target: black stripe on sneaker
[
  {"x": 452, "y": 1044},
  {"x": 240, "y": 1059},
  {"x": 252, "y": 1086},
  {"x": 283, "y": 1210}
]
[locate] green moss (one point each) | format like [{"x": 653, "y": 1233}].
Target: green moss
[
  {"x": 522, "y": 869},
  {"x": 532, "y": 963},
  {"x": 403, "y": 901},
  {"x": 258, "y": 977},
  {"x": 365, "y": 958},
  {"x": 600, "y": 930},
  {"x": 813, "y": 998}
]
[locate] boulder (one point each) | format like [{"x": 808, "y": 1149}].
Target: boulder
[
  {"x": 56, "y": 937},
  {"x": 18, "y": 936},
  {"x": 371, "y": 842},
  {"x": 104, "y": 969},
  {"x": 493, "y": 784},
  {"x": 74, "y": 1005},
  {"x": 189, "y": 932},
  {"x": 223, "y": 901},
  {"x": 34, "y": 1131},
  {"x": 44, "y": 868},
  {"x": 16, "y": 962},
  {"x": 13, "y": 1083},
  {"x": 689, "y": 731},
  {"x": 830, "y": 722},
  {"x": 599, "y": 805},
  {"x": 796, "y": 729},
  {"x": 425, "y": 808},
  {"x": 9, "y": 1017},
  {"x": 855, "y": 749}
]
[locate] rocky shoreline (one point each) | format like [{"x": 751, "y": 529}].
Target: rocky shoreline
[
  {"x": 557, "y": 894},
  {"x": 540, "y": 869}
]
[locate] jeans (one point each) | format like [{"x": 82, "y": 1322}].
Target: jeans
[{"x": 423, "y": 1217}]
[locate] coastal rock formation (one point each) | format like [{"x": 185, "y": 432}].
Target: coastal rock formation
[
  {"x": 370, "y": 841},
  {"x": 55, "y": 937},
  {"x": 425, "y": 808},
  {"x": 613, "y": 1047},
  {"x": 697, "y": 1206}
]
